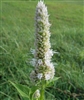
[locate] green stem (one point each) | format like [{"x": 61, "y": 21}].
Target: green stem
[{"x": 42, "y": 97}]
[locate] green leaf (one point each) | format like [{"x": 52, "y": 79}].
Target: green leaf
[
  {"x": 22, "y": 89},
  {"x": 51, "y": 82},
  {"x": 25, "y": 98}
]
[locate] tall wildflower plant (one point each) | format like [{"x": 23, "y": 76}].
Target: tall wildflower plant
[
  {"x": 44, "y": 69},
  {"x": 43, "y": 74}
]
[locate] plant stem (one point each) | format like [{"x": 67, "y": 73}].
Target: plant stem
[{"x": 42, "y": 97}]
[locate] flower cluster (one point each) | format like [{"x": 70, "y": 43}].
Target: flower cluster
[{"x": 44, "y": 69}]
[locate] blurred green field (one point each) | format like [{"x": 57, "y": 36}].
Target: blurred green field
[{"x": 67, "y": 38}]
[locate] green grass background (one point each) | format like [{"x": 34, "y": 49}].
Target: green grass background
[{"x": 67, "y": 38}]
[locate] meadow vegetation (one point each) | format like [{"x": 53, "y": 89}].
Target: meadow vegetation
[{"x": 67, "y": 39}]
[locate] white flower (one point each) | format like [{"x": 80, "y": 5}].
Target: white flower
[
  {"x": 47, "y": 62},
  {"x": 33, "y": 62},
  {"x": 49, "y": 53},
  {"x": 39, "y": 75},
  {"x": 32, "y": 51},
  {"x": 36, "y": 94},
  {"x": 47, "y": 76},
  {"x": 40, "y": 62}
]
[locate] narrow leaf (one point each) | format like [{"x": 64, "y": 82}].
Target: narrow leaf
[{"x": 22, "y": 89}]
